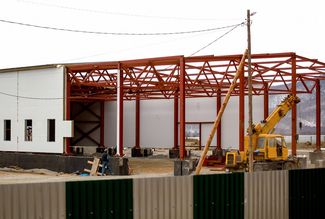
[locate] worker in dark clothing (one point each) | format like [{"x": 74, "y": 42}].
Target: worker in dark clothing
[{"x": 105, "y": 163}]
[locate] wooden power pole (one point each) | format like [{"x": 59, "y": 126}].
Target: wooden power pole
[{"x": 250, "y": 105}]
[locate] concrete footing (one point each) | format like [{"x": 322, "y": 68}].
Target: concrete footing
[
  {"x": 184, "y": 167},
  {"x": 316, "y": 155},
  {"x": 174, "y": 153},
  {"x": 141, "y": 152},
  {"x": 119, "y": 166}
]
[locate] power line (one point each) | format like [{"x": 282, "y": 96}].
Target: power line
[
  {"x": 218, "y": 38},
  {"x": 120, "y": 13},
  {"x": 117, "y": 33},
  {"x": 32, "y": 98}
]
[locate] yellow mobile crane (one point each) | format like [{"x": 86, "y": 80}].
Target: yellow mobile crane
[{"x": 270, "y": 150}]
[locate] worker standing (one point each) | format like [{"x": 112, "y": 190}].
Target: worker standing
[{"x": 105, "y": 162}]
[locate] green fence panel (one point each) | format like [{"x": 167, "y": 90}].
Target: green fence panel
[
  {"x": 99, "y": 199},
  {"x": 219, "y": 196},
  {"x": 306, "y": 193}
]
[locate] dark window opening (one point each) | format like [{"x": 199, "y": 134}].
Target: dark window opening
[
  {"x": 7, "y": 130},
  {"x": 28, "y": 130},
  {"x": 51, "y": 130}
]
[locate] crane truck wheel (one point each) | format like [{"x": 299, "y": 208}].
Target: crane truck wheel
[{"x": 289, "y": 165}]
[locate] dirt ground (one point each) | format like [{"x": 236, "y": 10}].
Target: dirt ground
[{"x": 158, "y": 165}]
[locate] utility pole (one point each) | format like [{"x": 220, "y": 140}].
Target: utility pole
[{"x": 250, "y": 109}]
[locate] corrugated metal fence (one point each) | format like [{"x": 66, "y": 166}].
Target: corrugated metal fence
[
  {"x": 266, "y": 195},
  {"x": 262, "y": 195},
  {"x": 30, "y": 201}
]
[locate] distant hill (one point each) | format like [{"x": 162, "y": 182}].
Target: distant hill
[{"x": 306, "y": 112}]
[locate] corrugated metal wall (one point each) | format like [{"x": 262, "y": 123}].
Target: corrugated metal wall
[
  {"x": 168, "y": 197},
  {"x": 266, "y": 195},
  {"x": 219, "y": 196},
  {"x": 35, "y": 200},
  {"x": 307, "y": 193},
  {"x": 99, "y": 199}
]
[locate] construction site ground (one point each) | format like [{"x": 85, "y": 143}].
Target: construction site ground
[{"x": 157, "y": 165}]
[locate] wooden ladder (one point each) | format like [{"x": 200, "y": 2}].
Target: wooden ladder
[{"x": 94, "y": 167}]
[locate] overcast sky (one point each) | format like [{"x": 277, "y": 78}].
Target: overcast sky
[{"x": 278, "y": 26}]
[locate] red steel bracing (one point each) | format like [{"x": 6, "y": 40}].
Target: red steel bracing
[
  {"x": 159, "y": 78},
  {"x": 137, "y": 122},
  {"x": 175, "y": 121},
  {"x": 241, "y": 111},
  {"x": 318, "y": 117},
  {"x": 219, "y": 127},
  {"x": 294, "y": 108},
  {"x": 266, "y": 101}
]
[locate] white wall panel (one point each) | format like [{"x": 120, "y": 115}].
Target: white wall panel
[
  {"x": 8, "y": 109},
  {"x": 35, "y": 85},
  {"x": 156, "y": 120}
]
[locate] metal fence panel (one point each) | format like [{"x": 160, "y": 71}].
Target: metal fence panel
[
  {"x": 266, "y": 195},
  {"x": 168, "y": 197},
  {"x": 34, "y": 200},
  {"x": 306, "y": 193},
  {"x": 99, "y": 199},
  {"x": 219, "y": 196}
]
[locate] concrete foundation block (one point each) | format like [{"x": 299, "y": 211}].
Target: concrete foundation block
[
  {"x": 313, "y": 156},
  {"x": 320, "y": 163},
  {"x": 183, "y": 167},
  {"x": 119, "y": 166}
]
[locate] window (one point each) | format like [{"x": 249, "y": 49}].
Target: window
[
  {"x": 7, "y": 130},
  {"x": 28, "y": 130},
  {"x": 260, "y": 143},
  {"x": 51, "y": 130},
  {"x": 271, "y": 142}
]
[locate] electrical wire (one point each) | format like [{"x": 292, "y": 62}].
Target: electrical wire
[
  {"x": 218, "y": 38},
  {"x": 117, "y": 33},
  {"x": 32, "y": 98},
  {"x": 121, "y": 13}
]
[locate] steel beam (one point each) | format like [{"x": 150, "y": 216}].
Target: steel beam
[
  {"x": 241, "y": 110},
  {"x": 182, "y": 107},
  {"x": 294, "y": 107},
  {"x": 137, "y": 121},
  {"x": 218, "y": 134},
  {"x": 175, "y": 120},
  {"x": 266, "y": 101},
  {"x": 318, "y": 116}
]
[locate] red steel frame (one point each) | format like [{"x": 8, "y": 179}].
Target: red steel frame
[{"x": 191, "y": 77}]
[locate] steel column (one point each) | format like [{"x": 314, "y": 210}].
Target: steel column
[
  {"x": 102, "y": 124},
  {"x": 175, "y": 120},
  {"x": 119, "y": 110},
  {"x": 68, "y": 112},
  {"x": 219, "y": 127},
  {"x": 266, "y": 101},
  {"x": 318, "y": 116},
  {"x": 241, "y": 110},
  {"x": 200, "y": 135},
  {"x": 182, "y": 107},
  {"x": 137, "y": 121},
  {"x": 294, "y": 107}
]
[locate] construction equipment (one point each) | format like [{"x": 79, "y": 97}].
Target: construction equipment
[{"x": 270, "y": 150}]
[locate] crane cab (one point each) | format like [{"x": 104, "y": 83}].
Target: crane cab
[{"x": 270, "y": 147}]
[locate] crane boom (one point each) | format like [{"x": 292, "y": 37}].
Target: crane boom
[{"x": 274, "y": 118}]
